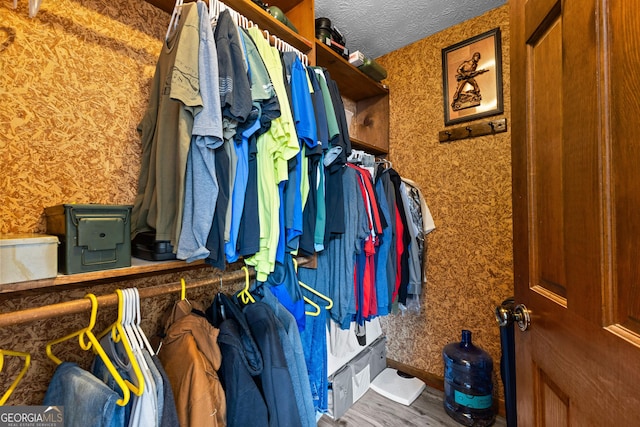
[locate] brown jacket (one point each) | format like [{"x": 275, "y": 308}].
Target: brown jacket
[{"x": 190, "y": 355}]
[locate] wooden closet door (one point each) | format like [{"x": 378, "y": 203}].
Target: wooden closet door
[{"x": 575, "y": 87}]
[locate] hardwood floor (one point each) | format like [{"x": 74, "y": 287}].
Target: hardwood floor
[{"x": 376, "y": 410}]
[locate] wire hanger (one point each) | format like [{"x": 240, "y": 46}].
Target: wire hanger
[
  {"x": 119, "y": 334},
  {"x": 244, "y": 295},
  {"x": 95, "y": 344},
  {"x": 14, "y": 384}
]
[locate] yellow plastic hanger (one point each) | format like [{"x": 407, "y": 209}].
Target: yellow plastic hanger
[
  {"x": 312, "y": 304},
  {"x": 14, "y": 384},
  {"x": 313, "y": 291},
  {"x": 95, "y": 344},
  {"x": 118, "y": 334},
  {"x": 183, "y": 290},
  {"x": 244, "y": 295}
]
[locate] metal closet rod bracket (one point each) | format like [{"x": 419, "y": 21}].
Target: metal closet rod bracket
[{"x": 490, "y": 127}]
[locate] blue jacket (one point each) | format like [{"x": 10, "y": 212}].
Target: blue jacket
[{"x": 277, "y": 387}]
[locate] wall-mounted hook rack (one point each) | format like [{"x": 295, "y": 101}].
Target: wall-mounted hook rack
[{"x": 477, "y": 129}]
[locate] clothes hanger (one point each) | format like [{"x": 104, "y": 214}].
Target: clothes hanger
[
  {"x": 138, "y": 319},
  {"x": 244, "y": 295},
  {"x": 183, "y": 291},
  {"x": 34, "y": 6},
  {"x": 308, "y": 300},
  {"x": 175, "y": 17},
  {"x": 129, "y": 323},
  {"x": 387, "y": 164},
  {"x": 14, "y": 384},
  {"x": 86, "y": 333},
  {"x": 312, "y": 304},
  {"x": 220, "y": 307},
  {"x": 214, "y": 11},
  {"x": 119, "y": 334},
  {"x": 313, "y": 291},
  {"x": 131, "y": 299}
]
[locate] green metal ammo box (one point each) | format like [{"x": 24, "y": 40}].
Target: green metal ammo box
[{"x": 92, "y": 237}]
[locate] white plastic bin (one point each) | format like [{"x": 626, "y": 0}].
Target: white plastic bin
[{"x": 27, "y": 256}]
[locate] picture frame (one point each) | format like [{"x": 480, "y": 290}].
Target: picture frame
[{"x": 472, "y": 78}]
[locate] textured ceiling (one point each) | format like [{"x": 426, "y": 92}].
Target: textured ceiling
[{"x": 377, "y": 27}]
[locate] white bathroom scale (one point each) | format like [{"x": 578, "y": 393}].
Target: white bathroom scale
[{"x": 397, "y": 387}]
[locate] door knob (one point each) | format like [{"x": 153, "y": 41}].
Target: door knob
[
  {"x": 508, "y": 313},
  {"x": 522, "y": 316}
]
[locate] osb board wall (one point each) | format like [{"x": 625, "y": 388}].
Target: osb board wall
[
  {"x": 74, "y": 84},
  {"x": 467, "y": 185}
]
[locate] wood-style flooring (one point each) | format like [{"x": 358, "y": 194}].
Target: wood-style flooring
[{"x": 375, "y": 410}]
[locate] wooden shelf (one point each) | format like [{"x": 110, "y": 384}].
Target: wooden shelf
[
  {"x": 369, "y": 148},
  {"x": 353, "y": 83},
  {"x": 138, "y": 267},
  {"x": 260, "y": 17}
]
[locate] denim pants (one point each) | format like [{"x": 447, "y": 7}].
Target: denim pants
[
  {"x": 314, "y": 343},
  {"x": 87, "y": 401}
]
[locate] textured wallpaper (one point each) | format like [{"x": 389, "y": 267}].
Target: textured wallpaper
[
  {"x": 73, "y": 87},
  {"x": 467, "y": 185}
]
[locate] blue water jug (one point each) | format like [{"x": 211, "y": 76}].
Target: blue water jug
[{"x": 468, "y": 383}]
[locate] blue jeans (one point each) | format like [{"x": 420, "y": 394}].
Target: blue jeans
[
  {"x": 87, "y": 401},
  {"x": 314, "y": 343}
]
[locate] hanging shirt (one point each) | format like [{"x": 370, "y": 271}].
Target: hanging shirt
[
  {"x": 201, "y": 186},
  {"x": 240, "y": 183},
  {"x": 235, "y": 101},
  {"x": 382, "y": 254},
  {"x": 383, "y": 181},
  {"x": 275, "y": 148},
  {"x": 165, "y": 132}
]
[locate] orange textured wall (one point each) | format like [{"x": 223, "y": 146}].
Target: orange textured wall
[
  {"x": 467, "y": 185},
  {"x": 74, "y": 85}
]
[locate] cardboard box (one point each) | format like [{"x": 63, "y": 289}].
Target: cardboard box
[
  {"x": 92, "y": 237},
  {"x": 27, "y": 256}
]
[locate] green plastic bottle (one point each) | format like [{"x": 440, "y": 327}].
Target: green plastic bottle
[
  {"x": 372, "y": 69},
  {"x": 277, "y": 13}
]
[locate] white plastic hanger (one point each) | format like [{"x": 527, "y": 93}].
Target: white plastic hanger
[
  {"x": 34, "y": 6},
  {"x": 138, "y": 319},
  {"x": 175, "y": 18}
]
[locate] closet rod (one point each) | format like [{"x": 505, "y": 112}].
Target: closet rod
[{"x": 80, "y": 305}]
